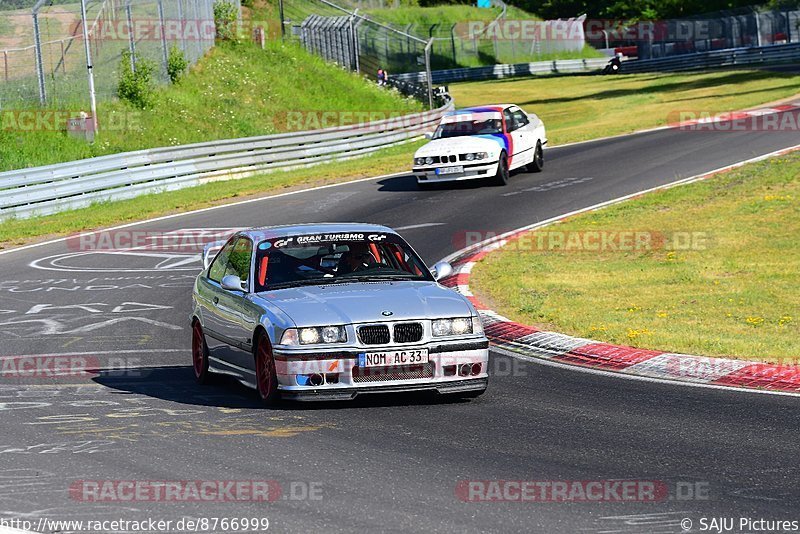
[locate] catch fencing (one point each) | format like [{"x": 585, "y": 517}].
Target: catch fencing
[
  {"x": 752, "y": 57},
  {"x": 54, "y": 188},
  {"x": 43, "y": 52},
  {"x": 363, "y": 40},
  {"x": 495, "y": 72},
  {"x": 736, "y": 28}
]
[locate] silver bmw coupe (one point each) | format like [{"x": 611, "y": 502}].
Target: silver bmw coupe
[{"x": 331, "y": 311}]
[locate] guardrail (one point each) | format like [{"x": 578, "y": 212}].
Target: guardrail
[
  {"x": 506, "y": 71},
  {"x": 54, "y": 188},
  {"x": 726, "y": 58}
]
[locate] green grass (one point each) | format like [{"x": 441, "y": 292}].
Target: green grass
[
  {"x": 14, "y": 232},
  {"x": 577, "y": 108},
  {"x": 6, "y": 28},
  {"x": 733, "y": 292},
  {"x": 445, "y": 15},
  {"x": 235, "y": 91}
]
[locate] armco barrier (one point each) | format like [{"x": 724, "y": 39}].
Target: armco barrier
[
  {"x": 506, "y": 71},
  {"x": 54, "y": 188},
  {"x": 755, "y": 56}
]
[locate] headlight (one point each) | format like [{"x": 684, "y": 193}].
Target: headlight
[
  {"x": 419, "y": 161},
  {"x": 314, "y": 335},
  {"x": 452, "y": 327},
  {"x": 469, "y": 157},
  {"x": 429, "y": 161},
  {"x": 481, "y": 155}
]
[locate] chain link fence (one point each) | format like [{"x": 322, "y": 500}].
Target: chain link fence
[
  {"x": 358, "y": 39},
  {"x": 43, "y": 57},
  {"x": 742, "y": 27}
]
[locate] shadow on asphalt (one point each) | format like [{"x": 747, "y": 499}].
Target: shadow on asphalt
[
  {"x": 177, "y": 384},
  {"x": 404, "y": 184}
]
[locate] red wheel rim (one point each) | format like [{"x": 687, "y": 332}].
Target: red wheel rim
[
  {"x": 197, "y": 349},
  {"x": 264, "y": 372}
]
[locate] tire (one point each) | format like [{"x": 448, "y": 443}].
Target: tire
[
  {"x": 538, "y": 159},
  {"x": 266, "y": 378},
  {"x": 200, "y": 355},
  {"x": 501, "y": 178}
]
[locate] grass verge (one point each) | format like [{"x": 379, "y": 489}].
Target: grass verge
[
  {"x": 724, "y": 283},
  {"x": 577, "y": 108}
]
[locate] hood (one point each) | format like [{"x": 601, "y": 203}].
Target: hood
[
  {"x": 363, "y": 302},
  {"x": 462, "y": 144}
]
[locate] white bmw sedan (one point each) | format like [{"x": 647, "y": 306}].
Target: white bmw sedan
[{"x": 485, "y": 142}]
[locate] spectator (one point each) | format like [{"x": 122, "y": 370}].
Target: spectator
[{"x": 381, "y": 77}]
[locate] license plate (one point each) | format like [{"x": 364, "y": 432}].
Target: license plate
[
  {"x": 450, "y": 170},
  {"x": 393, "y": 358}
]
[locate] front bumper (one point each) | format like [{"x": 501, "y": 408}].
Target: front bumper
[
  {"x": 455, "y": 366},
  {"x": 427, "y": 174},
  {"x": 444, "y": 388}
]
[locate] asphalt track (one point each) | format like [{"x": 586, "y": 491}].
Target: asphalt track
[{"x": 386, "y": 464}]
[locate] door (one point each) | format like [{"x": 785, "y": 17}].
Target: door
[
  {"x": 522, "y": 135},
  {"x": 224, "y": 325}
]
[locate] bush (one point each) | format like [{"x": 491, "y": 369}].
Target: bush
[
  {"x": 225, "y": 18},
  {"x": 136, "y": 85},
  {"x": 176, "y": 64}
]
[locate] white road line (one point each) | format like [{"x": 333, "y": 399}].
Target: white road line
[
  {"x": 423, "y": 225},
  {"x": 204, "y": 210}
]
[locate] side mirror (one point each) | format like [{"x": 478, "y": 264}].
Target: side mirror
[
  {"x": 232, "y": 282},
  {"x": 441, "y": 270},
  {"x": 428, "y": 135}
]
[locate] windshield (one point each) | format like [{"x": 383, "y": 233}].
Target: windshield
[
  {"x": 334, "y": 258},
  {"x": 469, "y": 124}
]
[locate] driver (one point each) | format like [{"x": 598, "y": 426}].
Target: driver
[{"x": 357, "y": 258}]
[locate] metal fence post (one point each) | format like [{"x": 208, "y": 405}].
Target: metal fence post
[
  {"x": 89, "y": 67},
  {"x": 162, "y": 22},
  {"x": 354, "y": 41},
  {"x": 39, "y": 59},
  {"x": 131, "y": 37},
  {"x": 5, "y": 63},
  {"x": 283, "y": 21},
  {"x": 428, "y": 72}
]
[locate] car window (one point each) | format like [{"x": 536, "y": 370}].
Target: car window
[
  {"x": 520, "y": 118},
  {"x": 239, "y": 259},
  {"x": 509, "y": 120},
  {"x": 217, "y": 270}
]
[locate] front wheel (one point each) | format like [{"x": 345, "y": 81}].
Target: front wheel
[
  {"x": 200, "y": 355},
  {"x": 538, "y": 159},
  {"x": 266, "y": 378},
  {"x": 501, "y": 178}
]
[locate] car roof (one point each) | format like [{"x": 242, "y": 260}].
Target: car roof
[
  {"x": 270, "y": 232},
  {"x": 479, "y": 109}
]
